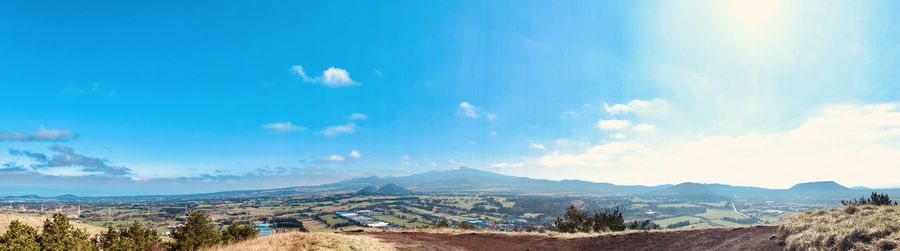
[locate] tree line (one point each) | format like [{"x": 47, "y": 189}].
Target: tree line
[
  {"x": 58, "y": 234},
  {"x": 578, "y": 221},
  {"x": 874, "y": 199}
]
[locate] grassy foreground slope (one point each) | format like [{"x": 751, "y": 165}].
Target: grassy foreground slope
[
  {"x": 307, "y": 241},
  {"x": 37, "y": 222},
  {"x": 852, "y": 227}
]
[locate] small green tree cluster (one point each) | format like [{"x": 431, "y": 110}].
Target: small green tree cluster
[
  {"x": 874, "y": 199},
  {"x": 57, "y": 234},
  {"x": 443, "y": 223},
  {"x": 196, "y": 233},
  {"x": 465, "y": 225},
  {"x": 577, "y": 221},
  {"x": 643, "y": 225},
  {"x": 19, "y": 237},
  {"x": 134, "y": 237},
  {"x": 678, "y": 224},
  {"x": 237, "y": 232}
]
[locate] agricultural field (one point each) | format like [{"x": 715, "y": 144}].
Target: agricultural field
[
  {"x": 716, "y": 214},
  {"x": 669, "y": 221},
  {"x": 317, "y": 213}
]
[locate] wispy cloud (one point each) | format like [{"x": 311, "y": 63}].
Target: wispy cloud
[
  {"x": 283, "y": 127},
  {"x": 331, "y": 77},
  {"x": 468, "y": 110},
  {"x": 334, "y": 158},
  {"x": 357, "y": 116},
  {"x": 338, "y": 130},
  {"x": 508, "y": 165},
  {"x": 614, "y": 124},
  {"x": 355, "y": 154},
  {"x": 41, "y": 134},
  {"x": 66, "y": 157},
  {"x": 537, "y": 147},
  {"x": 637, "y": 106},
  {"x": 471, "y": 111},
  {"x": 94, "y": 90},
  {"x": 644, "y": 128}
]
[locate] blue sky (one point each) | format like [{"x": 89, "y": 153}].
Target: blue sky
[{"x": 159, "y": 97}]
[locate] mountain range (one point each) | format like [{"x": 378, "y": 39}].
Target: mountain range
[{"x": 470, "y": 180}]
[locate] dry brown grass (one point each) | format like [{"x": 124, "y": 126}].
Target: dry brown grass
[
  {"x": 845, "y": 228},
  {"x": 307, "y": 241},
  {"x": 38, "y": 221},
  {"x": 451, "y": 231}
]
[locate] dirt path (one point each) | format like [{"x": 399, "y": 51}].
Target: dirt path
[{"x": 752, "y": 238}]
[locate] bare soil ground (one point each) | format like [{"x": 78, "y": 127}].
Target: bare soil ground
[{"x": 750, "y": 238}]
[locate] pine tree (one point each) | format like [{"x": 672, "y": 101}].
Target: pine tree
[
  {"x": 19, "y": 237},
  {"x": 59, "y": 235},
  {"x": 237, "y": 232},
  {"x": 197, "y": 232},
  {"x": 134, "y": 237}
]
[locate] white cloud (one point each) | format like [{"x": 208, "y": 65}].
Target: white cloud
[
  {"x": 845, "y": 143},
  {"x": 644, "y": 128},
  {"x": 618, "y": 136},
  {"x": 468, "y": 110},
  {"x": 334, "y": 158},
  {"x": 613, "y": 124},
  {"x": 637, "y": 106},
  {"x": 599, "y": 155},
  {"x": 490, "y": 116},
  {"x": 283, "y": 127},
  {"x": 508, "y": 165},
  {"x": 358, "y": 116},
  {"x": 355, "y": 154},
  {"x": 336, "y": 77},
  {"x": 41, "y": 134},
  {"x": 331, "y": 77},
  {"x": 537, "y": 147},
  {"x": 471, "y": 111},
  {"x": 298, "y": 69},
  {"x": 338, "y": 130}
]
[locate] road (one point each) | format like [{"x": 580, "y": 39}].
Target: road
[{"x": 739, "y": 212}]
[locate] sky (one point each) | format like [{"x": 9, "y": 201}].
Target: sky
[{"x": 173, "y": 97}]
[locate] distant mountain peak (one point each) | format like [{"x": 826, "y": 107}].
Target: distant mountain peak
[
  {"x": 386, "y": 189},
  {"x": 818, "y": 186}
]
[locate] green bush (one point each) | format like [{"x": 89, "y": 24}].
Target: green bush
[
  {"x": 135, "y": 237},
  {"x": 573, "y": 221},
  {"x": 577, "y": 221},
  {"x": 59, "y": 235},
  {"x": 19, "y": 237},
  {"x": 237, "y": 232},
  {"x": 197, "y": 232}
]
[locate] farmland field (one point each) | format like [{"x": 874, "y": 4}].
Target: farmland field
[{"x": 717, "y": 214}]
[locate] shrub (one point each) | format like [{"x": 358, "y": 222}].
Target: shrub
[
  {"x": 874, "y": 199},
  {"x": 678, "y": 224},
  {"x": 196, "y": 232},
  {"x": 237, "y": 232},
  {"x": 573, "y": 221},
  {"x": 443, "y": 223},
  {"x": 649, "y": 225},
  {"x": 609, "y": 221},
  {"x": 58, "y": 235},
  {"x": 135, "y": 237},
  {"x": 19, "y": 237},
  {"x": 465, "y": 225}
]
